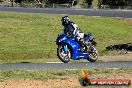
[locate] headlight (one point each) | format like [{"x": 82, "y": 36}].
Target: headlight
[{"x": 60, "y": 40}]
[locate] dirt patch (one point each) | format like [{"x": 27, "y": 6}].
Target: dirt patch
[
  {"x": 115, "y": 75},
  {"x": 59, "y": 83},
  {"x": 51, "y": 83},
  {"x": 124, "y": 57}
]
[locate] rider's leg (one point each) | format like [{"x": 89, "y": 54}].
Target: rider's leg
[{"x": 80, "y": 38}]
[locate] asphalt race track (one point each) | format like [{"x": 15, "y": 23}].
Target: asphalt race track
[
  {"x": 65, "y": 66},
  {"x": 86, "y": 12},
  {"x": 85, "y": 65}
]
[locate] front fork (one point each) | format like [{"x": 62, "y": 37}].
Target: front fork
[{"x": 65, "y": 48}]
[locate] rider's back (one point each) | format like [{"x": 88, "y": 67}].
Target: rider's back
[{"x": 72, "y": 29}]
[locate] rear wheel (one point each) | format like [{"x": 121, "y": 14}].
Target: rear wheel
[
  {"x": 93, "y": 56},
  {"x": 63, "y": 55}
]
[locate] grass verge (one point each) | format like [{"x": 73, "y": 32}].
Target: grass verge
[
  {"x": 50, "y": 74},
  {"x": 26, "y": 36}
]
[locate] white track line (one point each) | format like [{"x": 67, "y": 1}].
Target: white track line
[
  {"x": 54, "y": 62},
  {"x": 109, "y": 17}
]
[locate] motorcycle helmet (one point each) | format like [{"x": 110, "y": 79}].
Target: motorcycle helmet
[{"x": 65, "y": 20}]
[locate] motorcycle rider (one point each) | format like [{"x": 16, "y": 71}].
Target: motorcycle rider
[{"x": 72, "y": 30}]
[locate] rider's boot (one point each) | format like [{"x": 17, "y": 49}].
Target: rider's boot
[{"x": 83, "y": 44}]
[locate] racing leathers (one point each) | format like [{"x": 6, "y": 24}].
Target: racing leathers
[{"x": 73, "y": 30}]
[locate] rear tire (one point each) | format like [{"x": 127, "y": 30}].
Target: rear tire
[
  {"x": 91, "y": 59},
  {"x": 61, "y": 53},
  {"x": 93, "y": 56}
]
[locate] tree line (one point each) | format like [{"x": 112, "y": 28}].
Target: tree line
[
  {"x": 86, "y": 2},
  {"x": 116, "y": 2}
]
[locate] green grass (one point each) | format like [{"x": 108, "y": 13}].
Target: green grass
[
  {"x": 34, "y": 74},
  {"x": 27, "y": 36},
  {"x": 50, "y": 74},
  {"x": 59, "y": 74}
]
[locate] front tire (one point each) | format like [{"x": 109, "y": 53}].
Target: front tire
[{"x": 62, "y": 55}]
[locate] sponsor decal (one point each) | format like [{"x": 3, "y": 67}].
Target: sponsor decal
[{"x": 85, "y": 81}]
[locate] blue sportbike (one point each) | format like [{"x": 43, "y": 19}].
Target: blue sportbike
[{"x": 69, "y": 48}]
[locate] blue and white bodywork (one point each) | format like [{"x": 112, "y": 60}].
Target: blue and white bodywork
[{"x": 68, "y": 49}]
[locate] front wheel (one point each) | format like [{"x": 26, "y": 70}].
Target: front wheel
[
  {"x": 93, "y": 56},
  {"x": 63, "y": 55}
]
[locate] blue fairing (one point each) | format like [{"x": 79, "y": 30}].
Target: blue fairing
[{"x": 76, "y": 53}]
